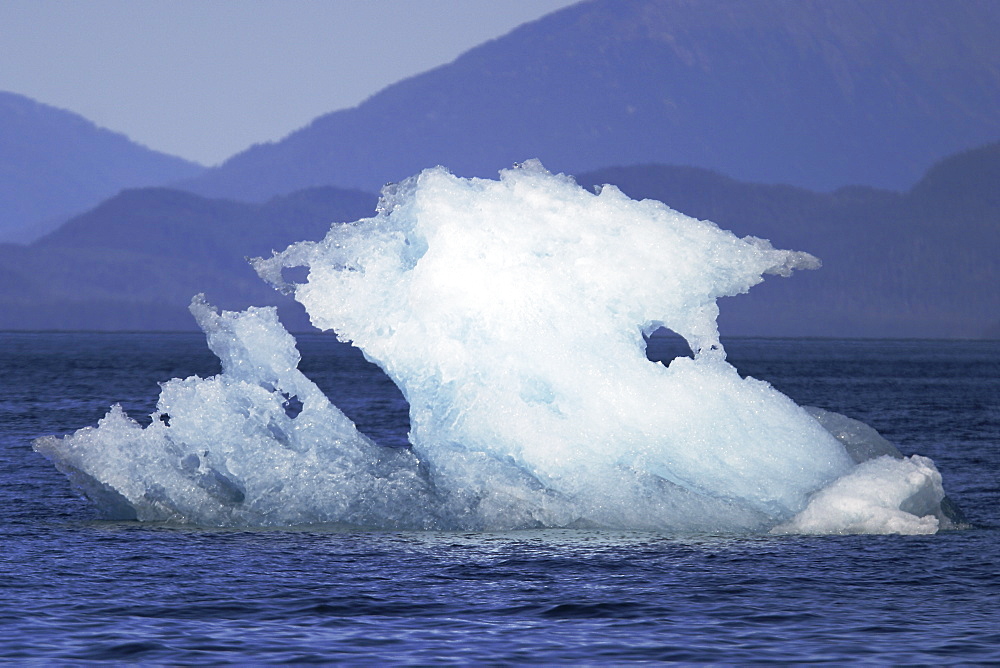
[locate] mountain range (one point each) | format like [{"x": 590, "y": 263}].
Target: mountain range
[
  {"x": 707, "y": 105},
  {"x": 923, "y": 263},
  {"x": 814, "y": 93},
  {"x": 914, "y": 264},
  {"x": 134, "y": 261},
  {"x": 54, "y": 163}
]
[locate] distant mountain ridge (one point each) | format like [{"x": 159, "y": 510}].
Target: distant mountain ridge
[
  {"x": 813, "y": 93},
  {"x": 918, "y": 264},
  {"x": 134, "y": 261},
  {"x": 55, "y": 163},
  {"x": 924, "y": 264}
]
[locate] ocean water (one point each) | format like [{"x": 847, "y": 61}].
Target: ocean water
[{"x": 76, "y": 589}]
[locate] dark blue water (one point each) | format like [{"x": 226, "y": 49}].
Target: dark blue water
[{"x": 77, "y": 589}]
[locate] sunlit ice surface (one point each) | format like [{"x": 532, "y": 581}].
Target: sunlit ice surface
[{"x": 512, "y": 314}]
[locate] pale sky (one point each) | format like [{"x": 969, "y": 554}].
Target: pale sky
[{"x": 204, "y": 79}]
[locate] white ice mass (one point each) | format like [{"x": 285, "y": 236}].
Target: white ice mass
[{"x": 511, "y": 314}]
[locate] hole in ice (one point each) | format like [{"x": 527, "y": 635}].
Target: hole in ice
[
  {"x": 663, "y": 345},
  {"x": 339, "y": 369},
  {"x": 292, "y": 406},
  {"x": 295, "y": 275}
]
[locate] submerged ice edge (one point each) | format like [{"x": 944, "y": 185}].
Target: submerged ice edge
[{"x": 511, "y": 314}]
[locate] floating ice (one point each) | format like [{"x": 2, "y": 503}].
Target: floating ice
[
  {"x": 258, "y": 444},
  {"x": 511, "y": 314},
  {"x": 881, "y": 495}
]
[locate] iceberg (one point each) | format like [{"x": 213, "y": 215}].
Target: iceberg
[
  {"x": 512, "y": 314},
  {"x": 257, "y": 445}
]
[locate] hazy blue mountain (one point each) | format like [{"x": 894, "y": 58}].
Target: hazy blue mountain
[
  {"x": 135, "y": 261},
  {"x": 814, "y": 93},
  {"x": 923, "y": 263},
  {"x": 54, "y": 163}
]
